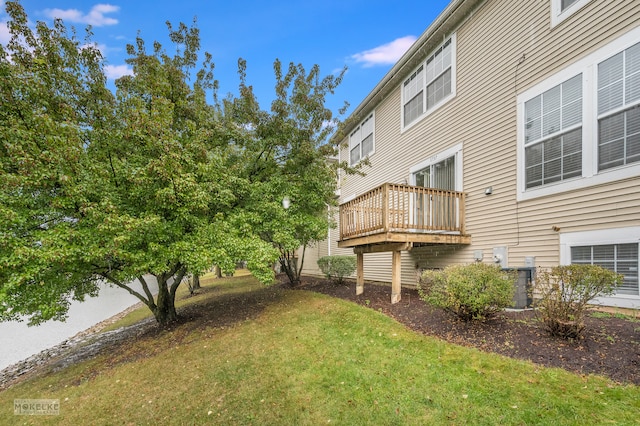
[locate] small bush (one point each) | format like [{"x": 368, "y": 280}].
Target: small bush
[
  {"x": 337, "y": 267},
  {"x": 473, "y": 292},
  {"x": 563, "y": 294}
]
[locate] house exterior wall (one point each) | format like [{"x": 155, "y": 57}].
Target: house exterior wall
[
  {"x": 328, "y": 247},
  {"x": 502, "y": 50}
]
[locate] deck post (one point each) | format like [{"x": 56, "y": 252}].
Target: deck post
[
  {"x": 360, "y": 272},
  {"x": 462, "y": 213},
  {"x": 385, "y": 207},
  {"x": 396, "y": 276}
]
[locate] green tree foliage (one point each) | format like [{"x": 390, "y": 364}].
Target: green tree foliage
[
  {"x": 148, "y": 184},
  {"x": 153, "y": 183},
  {"x": 563, "y": 293},
  {"x": 52, "y": 94},
  {"x": 476, "y": 291},
  {"x": 337, "y": 267},
  {"x": 288, "y": 161}
]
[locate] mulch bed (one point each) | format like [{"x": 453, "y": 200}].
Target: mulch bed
[{"x": 610, "y": 346}]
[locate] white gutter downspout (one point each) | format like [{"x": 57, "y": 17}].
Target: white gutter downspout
[{"x": 329, "y": 232}]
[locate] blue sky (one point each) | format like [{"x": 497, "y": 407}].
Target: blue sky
[{"x": 366, "y": 36}]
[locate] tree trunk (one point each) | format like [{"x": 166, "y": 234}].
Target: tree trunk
[
  {"x": 196, "y": 281},
  {"x": 163, "y": 306},
  {"x": 300, "y": 262},
  {"x": 165, "y": 309},
  {"x": 288, "y": 263}
]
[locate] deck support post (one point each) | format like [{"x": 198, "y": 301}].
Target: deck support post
[
  {"x": 396, "y": 276},
  {"x": 360, "y": 274}
]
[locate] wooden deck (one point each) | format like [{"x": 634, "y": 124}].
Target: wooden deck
[
  {"x": 394, "y": 213},
  {"x": 395, "y": 218}
]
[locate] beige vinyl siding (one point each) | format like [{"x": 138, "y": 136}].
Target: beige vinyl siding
[
  {"x": 482, "y": 116},
  {"x": 320, "y": 249},
  {"x": 311, "y": 256}
]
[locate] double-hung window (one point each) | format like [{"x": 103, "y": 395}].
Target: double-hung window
[
  {"x": 361, "y": 141},
  {"x": 553, "y": 134},
  {"x": 438, "y": 76},
  {"x": 413, "y": 92},
  {"x": 581, "y": 126},
  {"x": 619, "y": 109},
  {"x": 431, "y": 84}
]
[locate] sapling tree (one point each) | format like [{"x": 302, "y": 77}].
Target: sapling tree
[
  {"x": 289, "y": 161},
  {"x": 563, "y": 294}
]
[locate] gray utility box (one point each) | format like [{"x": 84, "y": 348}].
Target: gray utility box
[{"x": 523, "y": 295}]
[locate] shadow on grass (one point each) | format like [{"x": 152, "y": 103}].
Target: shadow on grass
[
  {"x": 215, "y": 312},
  {"x": 214, "y": 308}
]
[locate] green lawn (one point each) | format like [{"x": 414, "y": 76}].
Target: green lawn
[{"x": 303, "y": 358}]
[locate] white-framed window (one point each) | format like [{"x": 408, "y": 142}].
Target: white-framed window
[
  {"x": 619, "y": 109},
  {"x": 413, "y": 93},
  {"x": 619, "y": 258},
  {"x": 361, "y": 140},
  {"x": 431, "y": 84},
  {"x": 581, "y": 126},
  {"x": 442, "y": 170},
  {"x": 438, "y": 75},
  {"x": 616, "y": 249},
  {"x": 564, "y": 4},
  {"x": 553, "y": 134},
  {"x": 562, "y": 9}
]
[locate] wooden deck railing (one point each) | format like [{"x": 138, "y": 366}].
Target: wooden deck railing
[{"x": 402, "y": 208}]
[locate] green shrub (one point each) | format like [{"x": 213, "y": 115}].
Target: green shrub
[
  {"x": 473, "y": 292},
  {"x": 337, "y": 267},
  {"x": 563, "y": 293}
]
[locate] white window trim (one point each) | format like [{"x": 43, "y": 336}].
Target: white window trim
[
  {"x": 450, "y": 152},
  {"x": 588, "y": 66},
  {"x": 444, "y": 100},
  {"x": 601, "y": 237},
  {"x": 558, "y": 15},
  {"x": 372, "y": 117}
]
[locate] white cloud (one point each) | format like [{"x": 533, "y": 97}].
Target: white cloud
[
  {"x": 385, "y": 54},
  {"x": 114, "y": 72},
  {"x": 95, "y": 17},
  {"x": 5, "y": 36}
]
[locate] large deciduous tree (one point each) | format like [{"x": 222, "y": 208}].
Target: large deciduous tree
[
  {"x": 101, "y": 188},
  {"x": 155, "y": 182}
]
